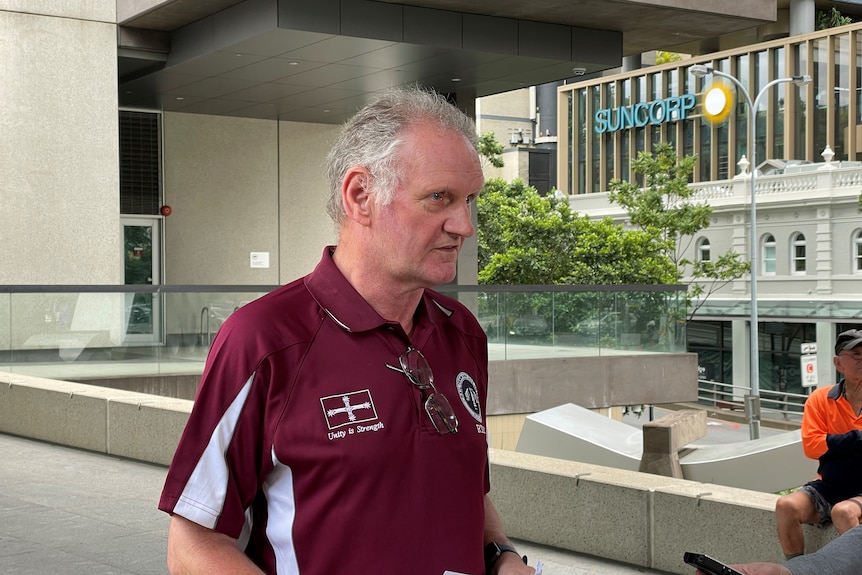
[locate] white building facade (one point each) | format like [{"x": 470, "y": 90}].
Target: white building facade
[{"x": 808, "y": 247}]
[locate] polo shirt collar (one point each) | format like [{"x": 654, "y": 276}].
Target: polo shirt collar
[
  {"x": 347, "y": 308},
  {"x": 837, "y": 390}
]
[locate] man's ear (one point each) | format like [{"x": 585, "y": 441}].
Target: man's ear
[{"x": 355, "y": 195}]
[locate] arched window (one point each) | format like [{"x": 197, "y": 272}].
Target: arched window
[
  {"x": 768, "y": 255},
  {"x": 857, "y": 252},
  {"x": 797, "y": 254},
  {"x": 703, "y": 253}
]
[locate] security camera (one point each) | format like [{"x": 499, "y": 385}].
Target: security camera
[{"x": 579, "y": 71}]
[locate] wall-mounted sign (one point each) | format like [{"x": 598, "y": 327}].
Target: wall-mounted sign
[
  {"x": 643, "y": 113},
  {"x": 717, "y": 101},
  {"x": 260, "y": 259},
  {"x": 809, "y": 370}
]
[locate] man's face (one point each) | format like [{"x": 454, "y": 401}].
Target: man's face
[
  {"x": 417, "y": 236},
  {"x": 849, "y": 363}
]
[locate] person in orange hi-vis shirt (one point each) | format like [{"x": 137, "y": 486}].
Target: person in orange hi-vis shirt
[{"x": 832, "y": 434}]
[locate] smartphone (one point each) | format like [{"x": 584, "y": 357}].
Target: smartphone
[{"x": 709, "y": 565}]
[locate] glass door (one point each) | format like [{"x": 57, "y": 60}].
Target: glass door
[{"x": 141, "y": 266}]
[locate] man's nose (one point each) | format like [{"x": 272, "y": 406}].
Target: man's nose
[{"x": 460, "y": 222}]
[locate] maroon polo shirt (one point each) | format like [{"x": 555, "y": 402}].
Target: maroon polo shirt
[{"x": 318, "y": 458}]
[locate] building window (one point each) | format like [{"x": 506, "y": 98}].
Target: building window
[
  {"x": 140, "y": 163},
  {"x": 703, "y": 250},
  {"x": 857, "y": 252},
  {"x": 797, "y": 254},
  {"x": 768, "y": 255}
]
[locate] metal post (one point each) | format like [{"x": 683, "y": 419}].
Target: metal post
[
  {"x": 752, "y": 413},
  {"x": 752, "y": 400}
]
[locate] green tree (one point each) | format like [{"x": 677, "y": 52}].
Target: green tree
[
  {"x": 527, "y": 238},
  {"x": 524, "y": 238},
  {"x": 490, "y": 149},
  {"x": 664, "y": 205},
  {"x": 662, "y": 57},
  {"x": 831, "y": 19}
]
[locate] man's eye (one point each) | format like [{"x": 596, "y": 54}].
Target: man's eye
[{"x": 437, "y": 195}]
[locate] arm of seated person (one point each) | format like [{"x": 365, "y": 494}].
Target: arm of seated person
[
  {"x": 844, "y": 443},
  {"x": 759, "y": 569},
  {"x": 194, "y": 549}
]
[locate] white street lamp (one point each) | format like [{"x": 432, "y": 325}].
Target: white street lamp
[{"x": 699, "y": 71}]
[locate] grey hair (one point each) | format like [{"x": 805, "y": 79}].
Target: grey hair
[{"x": 372, "y": 139}]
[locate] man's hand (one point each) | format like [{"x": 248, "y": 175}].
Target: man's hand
[{"x": 511, "y": 564}]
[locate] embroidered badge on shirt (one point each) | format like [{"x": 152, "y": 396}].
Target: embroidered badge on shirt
[
  {"x": 348, "y": 408},
  {"x": 469, "y": 394}
]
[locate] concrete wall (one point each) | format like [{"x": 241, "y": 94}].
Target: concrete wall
[
  {"x": 529, "y": 385},
  {"x": 632, "y": 517},
  {"x": 238, "y": 186},
  {"x": 303, "y": 192},
  {"x": 592, "y": 382},
  {"x": 504, "y": 114},
  {"x": 98, "y": 10},
  {"x": 221, "y": 181},
  {"x": 59, "y": 201}
]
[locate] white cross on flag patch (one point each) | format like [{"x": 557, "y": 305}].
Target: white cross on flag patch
[{"x": 348, "y": 408}]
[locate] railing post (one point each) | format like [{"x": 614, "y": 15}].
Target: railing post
[{"x": 752, "y": 413}]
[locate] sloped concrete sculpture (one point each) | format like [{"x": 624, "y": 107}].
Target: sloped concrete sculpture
[{"x": 574, "y": 433}]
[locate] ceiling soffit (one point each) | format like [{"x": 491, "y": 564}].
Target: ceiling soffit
[{"x": 319, "y": 61}]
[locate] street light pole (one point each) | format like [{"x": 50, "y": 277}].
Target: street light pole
[{"x": 752, "y": 404}]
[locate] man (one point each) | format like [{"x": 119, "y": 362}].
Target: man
[
  {"x": 340, "y": 422},
  {"x": 838, "y": 557},
  {"x": 831, "y": 433}
]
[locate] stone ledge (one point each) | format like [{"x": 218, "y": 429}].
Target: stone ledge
[
  {"x": 636, "y": 518},
  {"x": 115, "y": 422},
  {"x": 642, "y": 519}
]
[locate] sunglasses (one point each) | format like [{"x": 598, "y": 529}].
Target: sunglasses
[{"x": 439, "y": 410}]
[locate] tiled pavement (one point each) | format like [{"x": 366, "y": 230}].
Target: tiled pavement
[{"x": 72, "y": 512}]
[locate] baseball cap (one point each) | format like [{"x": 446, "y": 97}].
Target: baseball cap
[{"x": 848, "y": 340}]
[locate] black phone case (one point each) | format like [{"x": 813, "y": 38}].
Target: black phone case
[{"x": 708, "y": 565}]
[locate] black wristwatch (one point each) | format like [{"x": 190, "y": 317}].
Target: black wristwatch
[{"x": 493, "y": 551}]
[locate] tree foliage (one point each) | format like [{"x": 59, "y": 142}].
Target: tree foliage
[
  {"x": 526, "y": 238},
  {"x": 490, "y": 149},
  {"x": 831, "y": 19},
  {"x": 664, "y": 204},
  {"x": 663, "y": 57}
]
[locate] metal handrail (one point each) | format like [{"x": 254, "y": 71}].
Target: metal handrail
[
  {"x": 785, "y": 404},
  {"x": 205, "y": 315}
]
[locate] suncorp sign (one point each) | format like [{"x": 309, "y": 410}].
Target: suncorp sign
[{"x": 639, "y": 115}]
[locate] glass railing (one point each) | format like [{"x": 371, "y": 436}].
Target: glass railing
[{"x": 81, "y": 332}]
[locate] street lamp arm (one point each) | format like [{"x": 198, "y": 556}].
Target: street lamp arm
[
  {"x": 766, "y": 88},
  {"x": 738, "y": 84}
]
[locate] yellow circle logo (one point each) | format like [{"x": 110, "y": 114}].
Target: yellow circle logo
[{"x": 717, "y": 102}]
